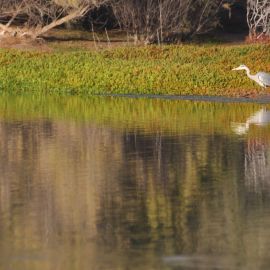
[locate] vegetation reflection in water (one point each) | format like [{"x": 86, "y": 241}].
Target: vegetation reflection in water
[{"x": 107, "y": 183}]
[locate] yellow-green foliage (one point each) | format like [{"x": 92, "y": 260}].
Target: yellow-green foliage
[{"x": 185, "y": 69}]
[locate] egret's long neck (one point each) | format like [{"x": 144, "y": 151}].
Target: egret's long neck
[{"x": 248, "y": 73}]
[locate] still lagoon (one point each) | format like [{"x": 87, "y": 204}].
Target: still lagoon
[{"x": 121, "y": 183}]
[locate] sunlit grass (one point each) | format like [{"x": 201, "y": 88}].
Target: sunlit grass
[{"x": 184, "y": 69}]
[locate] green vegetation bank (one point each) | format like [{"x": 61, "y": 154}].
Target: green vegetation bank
[{"x": 174, "y": 70}]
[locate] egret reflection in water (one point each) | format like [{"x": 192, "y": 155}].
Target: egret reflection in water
[
  {"x": 260, "y": 118},
  {"x": 256, "y": 153}
]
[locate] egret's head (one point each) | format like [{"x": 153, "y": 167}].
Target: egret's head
[{"x": 241, "y": 67}]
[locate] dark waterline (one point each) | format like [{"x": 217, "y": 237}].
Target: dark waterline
[{"x": 259, "y": 100}]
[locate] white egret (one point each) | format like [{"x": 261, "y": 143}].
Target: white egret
[{"x": 262, "y": 78}]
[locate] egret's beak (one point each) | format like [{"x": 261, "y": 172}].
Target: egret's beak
[{"x": 238, "y": 68}]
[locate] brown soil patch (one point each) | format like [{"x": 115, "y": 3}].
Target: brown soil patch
[
  {"x": 75, "y": 39},
  {"x": 25, "y": 44}
]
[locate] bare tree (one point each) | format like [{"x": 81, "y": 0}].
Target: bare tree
[
  {"x": 33, "y": 18},
  {"x": 156, "y": 20},
  {"x": 258, "y": 18}
]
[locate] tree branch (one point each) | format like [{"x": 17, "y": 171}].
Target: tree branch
[{"x": 75, "y": 14}]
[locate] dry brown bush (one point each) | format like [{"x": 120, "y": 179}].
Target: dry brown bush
[
  {"x": 33, "y": 18},
  {"x": 258, "y": 17},
  {"x": 157, "y": 20}
]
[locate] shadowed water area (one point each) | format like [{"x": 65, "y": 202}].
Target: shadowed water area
[{"x": 119, "y": 183}]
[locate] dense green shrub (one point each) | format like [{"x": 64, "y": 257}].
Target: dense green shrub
[{"x": 185, "y": 69}]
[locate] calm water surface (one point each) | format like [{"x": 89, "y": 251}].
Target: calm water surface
[{"x": 111, "y": 183}]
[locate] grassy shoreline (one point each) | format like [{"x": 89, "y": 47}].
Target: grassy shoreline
[{"x": 171, "y": 70}]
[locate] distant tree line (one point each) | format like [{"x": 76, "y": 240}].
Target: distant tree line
[{"x": 151, "y": 21}]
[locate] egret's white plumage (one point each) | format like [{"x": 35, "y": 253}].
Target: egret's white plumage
[{"x": 262, "y": 78}]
